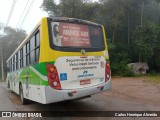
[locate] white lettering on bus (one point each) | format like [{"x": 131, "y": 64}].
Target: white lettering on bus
[
  {"x": 71, "y": 32},
  {"x": 84, "y": 34}
]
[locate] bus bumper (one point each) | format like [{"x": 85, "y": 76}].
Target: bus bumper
[{"x": 62, "y": 95}]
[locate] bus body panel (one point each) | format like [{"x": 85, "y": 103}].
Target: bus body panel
[
  {"x": 62, "y": 95},
  {"x": 35, "y": 93},
  {"x": 34, "y": 77},
  {"x": 76, "y": 72}
]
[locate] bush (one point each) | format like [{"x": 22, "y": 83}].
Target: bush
[{"x": 121, "y": 69}]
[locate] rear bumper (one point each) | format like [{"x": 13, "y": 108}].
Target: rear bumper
[{"x": 62, "y": 95}]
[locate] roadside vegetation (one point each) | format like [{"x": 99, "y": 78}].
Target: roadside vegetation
[{"x": 154, "y": 77}]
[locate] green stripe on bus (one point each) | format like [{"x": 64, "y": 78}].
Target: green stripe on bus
[
  {"x": 32, "y": 77},
  {"x": 41, "y": 67}
]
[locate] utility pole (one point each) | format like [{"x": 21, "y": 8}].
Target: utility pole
[{"x": 2, "y": 69}]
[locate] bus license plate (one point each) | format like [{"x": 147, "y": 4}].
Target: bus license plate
[{"x": 84, "y": 82}]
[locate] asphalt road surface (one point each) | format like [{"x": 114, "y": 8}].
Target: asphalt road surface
[{"x": 127, "y": 94}]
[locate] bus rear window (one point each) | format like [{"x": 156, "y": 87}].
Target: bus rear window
[{"x": 76, "y": 35}]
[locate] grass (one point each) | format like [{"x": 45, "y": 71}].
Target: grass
[
  {"x": 154, "y": 77},
  {"x": 151, "y": 77}
]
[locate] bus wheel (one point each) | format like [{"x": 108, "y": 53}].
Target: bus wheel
[{"x": 23, "y": 100}]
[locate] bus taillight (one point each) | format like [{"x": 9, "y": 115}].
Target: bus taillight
[
  {"x": 53, "y": 78},
  {"x": 107, "y": 72}
]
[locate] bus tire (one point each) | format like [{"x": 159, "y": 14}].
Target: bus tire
[{"x": 23, "y": 100}]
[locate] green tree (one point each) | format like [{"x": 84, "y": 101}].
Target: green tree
[
  {"x": 51, "y": 8},
  {"x": 9, "y": 40},
  {"x": 114, "y": 13},
  {"x": 124, "y": 20},
  {"x": 155, "y": 60},
  {"x": 65, "y": 8},
  {"x": 145, "y": 41}
]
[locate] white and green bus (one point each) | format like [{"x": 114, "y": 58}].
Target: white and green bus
[{"x": 62, "y": 59}]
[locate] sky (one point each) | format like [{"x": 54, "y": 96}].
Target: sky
[
  {"x": 25, "y": 15},
  {"x": 19, "y": 17}
]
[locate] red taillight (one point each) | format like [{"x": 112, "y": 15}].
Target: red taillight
[
  {"x": 53, "y": 77},
  {"x": 107, "y": 72}
]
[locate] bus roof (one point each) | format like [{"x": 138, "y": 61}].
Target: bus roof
[{"x": 76, "y": 20}]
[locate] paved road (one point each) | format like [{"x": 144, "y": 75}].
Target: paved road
[{"x": 127, "y": 94}]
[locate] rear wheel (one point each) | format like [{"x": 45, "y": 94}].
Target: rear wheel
[{"x": 23, "y": 100}]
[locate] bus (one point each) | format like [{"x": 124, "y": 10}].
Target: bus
[{"x": 61, "y": 59}]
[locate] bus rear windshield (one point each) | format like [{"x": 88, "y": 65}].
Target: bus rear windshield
[{"x": 76, "y": 35}]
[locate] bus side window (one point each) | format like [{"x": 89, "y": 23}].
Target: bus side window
[
  {"x": 21, "y": 57},
  {"x": 24, "y": 55},
  {"x": 37, "y": 44},
  {"x": 16, "y": 61},
  {"x": 13, "y": 63},
  {"x": 32, "y": 47},
  {"x": 28, "y": 53}
]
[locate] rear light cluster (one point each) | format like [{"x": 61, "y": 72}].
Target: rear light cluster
[
  {"x": 107, "y": 72},
  {"x": 53, "y": 77}
]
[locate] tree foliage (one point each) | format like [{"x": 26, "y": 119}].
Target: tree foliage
[
  {"x": 9, "y": 41},
  {"x": 133, "y": 27},
  {"x": 145, "y": 40}
]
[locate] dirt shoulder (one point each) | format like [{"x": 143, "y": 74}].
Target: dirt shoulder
[{"x": 138, "y": 89}]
